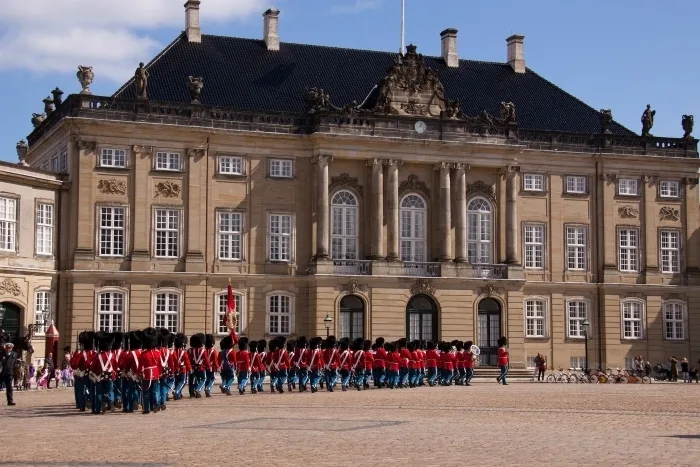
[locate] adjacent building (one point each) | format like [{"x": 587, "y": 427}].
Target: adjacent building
[{"x": 397, "y": 196}]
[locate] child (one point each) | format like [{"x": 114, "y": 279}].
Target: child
[
  {"x": 44, "y": 378},
  {"x": 68, "y": 376},
  {"x": 58, "y": 376}
]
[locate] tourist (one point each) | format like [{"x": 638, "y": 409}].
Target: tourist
[
  {"x": 674, "y": 368},
  {"x": 8, "y": 359},
  {"x": 541, "y": 366},
  {"x": 49, "y": 364},
  {"x": 685, "y": 370}
]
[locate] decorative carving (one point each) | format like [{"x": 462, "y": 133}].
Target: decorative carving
[
  {"x": 85, "y": 77},
  {"x": 88, "y": 146},
  {"x": 608, "y": 177},
  {"x": 112, "y": 186},
  {"x": 481, "y": 188},
  {"x": 606, "y": 119},
  {"x": 414, "y": 108},
  {"x": 167, "y": 285},
  {"x": 687, "y": 122},
  {"x": 443, "y": 165},
  {"x": 38, "y": 119},
  {"x": 168, "y": 189},
  {"x": 113, "y": 283},
  {"x": 10, "y": 287},
  {"x": 48, "y": 105},
  {"x": 57, "y": 97},
  {"x": 667, "y": 213},
  {"x": 318, "y": 100},
  {"x": 397, "y": 162},
  {"x": 461, "y": 166},
  {"x": 353, "y": 287},
  {"x": 490, "y": 290},
  {"x": 195, "y": 86},
  {"x": 345, "y": 181},
  {"x": 318, "y": 158},
  {"x": 196, "y": 152},
  {"x": 510, "y": 169},
  {"x": 627, "y": 212},
  {"x": 141, "y": 77},
  {"x": 414, "y": 184},
  {"x": 422, "y": 286},
  {"x": 674, "y": 296},
  {"x": 453, "y": 110},
  {"x": 507, "y": 113},
  {"x": 651, "y": 179},
  {"x": 691, "y": 181},
  {"x": 648, "y": 120}
]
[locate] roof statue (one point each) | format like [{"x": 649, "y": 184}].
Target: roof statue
[
  {"x": 687, "y": 122},
  {"x": 141, "y": 76},
  {"x": 606, "y": 119},
  {"x": 85, "y": 77},
  {"x": 647, "y": 120},
  {"x": 195, "y": 86}
]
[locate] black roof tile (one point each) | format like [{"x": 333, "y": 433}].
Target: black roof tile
[{"x": 243, "y": 74}]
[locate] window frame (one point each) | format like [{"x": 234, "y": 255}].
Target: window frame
[
  {"x": 14, "y": 248},
  {"x": 51, "y": 227},
  {"x": 64, "y": 160},
  {"x": 168, "y": 155},
  {"x": 344, "y": 237},
  {"x": 683, "y": 321},
  {"x": 544, "y": 318},
  {"x": 268, "y": 314},
  {"x": 414, "y": 242},
  {"x": 588, "y": 316},
  {"x": 479, "y": 242},
  {"x": 574, "y": 178},
  {"x": 291, "y": 235},
  {"x": 626, "y": 181},
  {"x": 241, "y": 311},
  {"x": 533, "y": 177},
  {"x": 125, "y": 229},
  {"x": 670, "y": 196},
  {"x": 542, "y": 245},
  {"x": 281, "y": 161},
  {"x": 621, "y": 249},
  {"x": 112, "y": 165},
  {"x": 154, "y": 302},
  {"x": 125, "y": 305},
  {"x": 240, "y": 234},
  {"x": 568, "y": 246},
  {"x": 41, "y": 330},
  {"x": 221, "y": 157},
  {"x": 678, "y": 251},
  {"x": 155, "y": 231},
  {"x": 641, "y": 319}
]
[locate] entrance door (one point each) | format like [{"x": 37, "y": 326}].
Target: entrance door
[
  {"x": 11, "y": 321},
  {"x": 352, "y": 317},
  {"x": 421, "y": 319},
  {"x": 489, "y": 325}
]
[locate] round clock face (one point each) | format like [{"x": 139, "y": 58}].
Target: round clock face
[{"x": 421, "y": 127}]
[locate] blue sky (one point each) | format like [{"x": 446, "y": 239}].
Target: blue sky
[{"x": 620, "y": 54}]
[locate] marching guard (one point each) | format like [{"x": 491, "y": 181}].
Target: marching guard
[
  {"x": 167, "y": 378},
  {"x": 150, "y": 371},
  {"x": 200, "y": 364},
  {"x": 181, "y": 366},
  {"x": 212, "y": 357},
  {"x": 227, "y": 364}
]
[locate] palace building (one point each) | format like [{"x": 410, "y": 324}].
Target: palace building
[{"x": 374, "y": 193}]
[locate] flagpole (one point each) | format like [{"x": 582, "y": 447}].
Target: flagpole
[{"x": 403, "y": 25}]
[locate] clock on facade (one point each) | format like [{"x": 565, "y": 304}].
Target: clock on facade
[{"x": 420, "y": 126}]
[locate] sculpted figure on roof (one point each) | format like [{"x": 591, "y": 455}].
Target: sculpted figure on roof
[
  {"x": 507, "y": 112},
  {"x": 85, "y": 76},
  {"x": 605, "y": 120},
  {"x": 318, "y": 100},
  {"x": 195, "y": 86},
  {"x": 647, "y": 120},
  {"x": 687, "y": 122},
  {"x": 141, "y": 77}
]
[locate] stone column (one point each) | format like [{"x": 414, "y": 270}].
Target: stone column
[
  {"x": 377, "y": 212},
  {"x": 445, "y": 212},
  {"x": 513, "y": 180},
  {"x": 323, "y": 210},
  {"x": 85, "y": 199},
  {"x": 392, "y": 196},
  {"x": 461, "y": 214},
  {"x": 195, "y": 204}
]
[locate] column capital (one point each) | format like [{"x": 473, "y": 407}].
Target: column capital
[
  {"x": 85, "y": 144},
  {"x": 460, "y": 166},
  {"x": 509, "y": 169},
  {"x": 322, "y": 158},
  {"x": 142, "y": 149},
  {"x": 390, "y": 162},
  {"x": 196, "y": 152},
  {"x": 375, "y": 161},
  {"x": 442, "y": 166}
]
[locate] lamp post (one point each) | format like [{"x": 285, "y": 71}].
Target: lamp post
[
  {"x": 586, "y": 324},
  {"x": 327, "y": 321},
  {"x": 42, "y": 318}
]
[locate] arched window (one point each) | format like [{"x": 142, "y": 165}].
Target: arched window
[
  {"x": 344, "y": 225},
  {"x": 632, "y": 311},
  {"x": 674, "y": 320},
  {"x": 421, "y": 318},
  {"x": 111, "y": 306},
  {"x": 479, "y": 245},
  {"x": 166, "y": 310},
  {"x": 352, "y": 317},
  {"x": 413, "y": 214}
]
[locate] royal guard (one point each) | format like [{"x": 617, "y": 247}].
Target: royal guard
[
  {"x": 271, "y": 363},
  {"x": 227, "y": 364},
  {"x": 358, "y": 363},
  {"x": 315, "y": 362},
  {"x": 301, "y": 363},
  {"x": 253, "y": 374},
  {"x": 414, "y": 364},
  {"x": 200, "y": 364},
  {"x": 243, "y": 363},
  {"x": 79, "y": 362},
  {"x": 379, "y": 366},
  {"x": 332, "y": 362},
  {"x": 421, "y": 354},
  {"x": 181, "y": 365},
  {"x": 282, "y": 363},
  {"x": 393, "y": 360},
  {"x": 149, "y": 371},
  {"x": 129, "y": 364},
  {"x": 460, "y": 374},
  {"x": 292, "y": 376},
  {"x": 345, "y": 365},
  {"x": 368, "y": 359},
  {"x": 102, "y": 373},
  {"x": 213, "y": 357},
  {"x": 403, "y": 364},
  {"x": 118, "y": 351},
  {"x": 260, "y": 367},
  {"x": 447, "y": 364},
  {"x": 469, "y": 361},
  {"x": 431, "y": 362},
  {"x": 167, "y": 377},
  {"x": 503, "y": 359}
]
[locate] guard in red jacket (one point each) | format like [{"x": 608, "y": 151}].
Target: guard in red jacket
[
  {"x": 200, "y": 363},
  {"x": 358, "y": 363},
  {"x": 130, "y": 362},
  {"x": 392, "y": 360},
  {"x": 379, "y": 363},
  {"x": 431, "y": 362},
  {"x": 503, "y": 359},
  {"x": 368, "y": 359},
  {"x": 212, "y": 357},
  {"x": 332, "y": 361},
  {"x": 181, "y": 365},
  {"x": 447, "y": 362},
  {"x": 254, "y": 357},
  {"x": 301, "y": 363},
  {"x": 469, "y": 360},
  {"x": 150, "y": 371},
  {"x": 315, "y": 362},
  {"x": 103, "y": 371},
  {"x": 243, "y": 363},
  {"x": 281, "y": 362},
  {"x": 79, "y": 362},
  {"x": 345, "y": 365},
  {"x": 261, "y": 367},
  {"x": 166, "y": 342},
  {"x": 403, "y": 364},
  {"x": 227, "y": 364}
]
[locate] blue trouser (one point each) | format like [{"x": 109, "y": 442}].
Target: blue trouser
[
  {"x": 149, "y": 394},
  {"x": 358, "y": 376},
  {"x": 331, "y": 378},
  {"x": 210, "y": 378},
  {"x": 504, "y": 373},
  {"x": 259, "y": 381},
  {"x": 242, "y": 380},
  {"x": 102, "y": 393},
  {"x": 254, "y": 380},
  {"x": 392, "y": 378},
  {"x": 344, "y": 378},
  {"x": 314, "y": 377},
  {"x": 293, "y": 375},
  {"x": 461, "y": 375},
  {"x": 368, "y": 374},
  {"x": 403, "y": 375},
  {"x": 379, "y": 375},
  {"x": 281, "y": 379},
  {"x": 273, "y": 378},
  {"x": 303, "y": 376},
  {"x": 130, "y": 395},
  {"x": 179, "y": 384},
  {"x": 80, "y": 392},
  {"x": 197, "y": 381},
  {"x": 166, "y": 385},
  {"x": 227, "y": 377},
  {"x": 118, "y": 390},
  {"x": 413, "y": 376},
  {"x": 469, "y": 375},
  {"x": 421, "y": 376},
  {"x": 432, "y": 375}
]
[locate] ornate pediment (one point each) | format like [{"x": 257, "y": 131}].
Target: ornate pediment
[
  {"x": 10, "y": 287},
  {"x": 482, "y": 189},
  {"x": 668, "y": 213},
  {"x": 345, "y": 181},
  {"x": 490, "y": 290},
  {"x": 352, "y": 287},
  {"x": 168, "y": 189},
  {"x": 414, "y": 184},
  {"x": 422, "y": 286}
]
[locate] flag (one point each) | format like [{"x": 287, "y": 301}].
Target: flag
[{"x": 231, "y": 303}]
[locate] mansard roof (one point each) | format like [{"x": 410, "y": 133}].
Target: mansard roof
[{"x": 242, "y": 74}]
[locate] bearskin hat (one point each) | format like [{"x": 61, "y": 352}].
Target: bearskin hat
[
  {"x": 197, "y": 340},
  {"x": 209, "y": 341},
  {"x": 344, "y": 343},
  {"x": 243, "y": 343},
  {"x": 374, "y": 346},
  {"x": 135, "y": 340},
  {"x": 89, "y": 340},
  {"x": 117, "y": 340},
  {"x": 315, "y": 342},
  {"x": 180, "y": 340},
  {"x": 150, "y": 338},
  {"x": 379, "y": 341},
  {"x": 468, "y": 345},
  {"x": 411, "y": 346},
  {"x": 301, "y": 342},
  {"x": 252, "y": 345},
  {"x": 226, "y": 343},
  {"x": 389, "y": 347},
  {"x": 262, "y": 345},
  {"x": 291, "y": 345},
  {"x": 281, "y": 342},
  {"x": 402, "y": 342},
  {"x": 431, "y": 345},
  {"x": 331, "y": 342},
  {"x": 163, "y": 337},
  {"x": 357, "y": 344},
  {"x": 81, "y": 338},
  {"x": 105, "y": 341},
  {"x": 423, "y": 344},
  {"x": 502, "y": 341},
  {"x": 272, "y": 345},
  {"x": 171, "y": 341}
]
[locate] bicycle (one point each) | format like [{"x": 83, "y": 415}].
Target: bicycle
[{"x": 557, "y": 377}]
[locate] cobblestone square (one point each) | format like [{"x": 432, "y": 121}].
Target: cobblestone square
[{"x": 486, "y": 424}]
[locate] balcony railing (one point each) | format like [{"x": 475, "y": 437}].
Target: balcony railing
[
  {"x": 416, "y": 269},
  {"x": 490, "y": 271},
  {"x": 352, "y": 267}
]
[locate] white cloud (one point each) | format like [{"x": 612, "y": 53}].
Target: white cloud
[
  {"x": 49, "y": 36},
  {"x": 358, "y": 6}
]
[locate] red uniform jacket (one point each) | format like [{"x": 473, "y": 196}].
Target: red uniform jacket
[
  {"x": 380, "y": 357},
  {"x": 368, "y": 358},
  {"x": 262, "y": 362},
  {"x": 414, "y": 363},
  {"x": 243, "y": 360},
  {"x": 468, "y": 360},
  {"x": 502, "y": 356},
  {"x": 300, "y": 358},
  {"x": 103, "y": 363},
  {"x": 199, "y": 358},
  {"x": 181, "y": 362},
  {"x": 118, "y": 354},
  {"x": 230, "y": 357},
  {"x": 80, "y": 360},
  {"x": 165, "y": 359},
  {"x": 447, "y": 361},
  {"x": 255, "y": 362},
  {"x": 279, "y": 360},
  {"x": 431, "y": 358},
  {"x": 392, "y": 361},
  {"x": 213, "y": 357},
  {"x": 331, "y": 358},
  {"x": 150, "y": 365},
  {"x": 345, "y": 360},
  {"x": 315, "y": 359},
  {"x": 405, "y": 357},
  {"x": 358, "y": 363},
  {"x": 421, "y": 358},
  {"x": 459, "y": 360}
]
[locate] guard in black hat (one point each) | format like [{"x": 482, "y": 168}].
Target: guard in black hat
[
  {"x": 301, "y": 364},
  {"x": 166, "y": 341},
  {"x": 213, "y": 357},
  {"x": 117, "y": 350},
  {"x": 181, "y": 366},
  {"x": 102, "y": 374},
  {"x": 200, "y": 363}
]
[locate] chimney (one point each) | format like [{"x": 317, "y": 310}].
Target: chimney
[
  {"x": 192, "y": 29},
  {"x": 516, "y": 60},
  {"x": 449, "y": 47},
  {"x": 272, "y": 39}
]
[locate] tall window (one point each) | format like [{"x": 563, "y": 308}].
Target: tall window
[
  {"x": 344, "y": 228},
  {"x": 113, "y": 158},
  {"x": 479, "y": 231},
  {"x": 577, "y": 312},
  {"x": 352, "y": 317},
  {"x": 167, "y": 233},
  {"x": 222, "y": 309},
  {"x": 110, "y": 311},
  {"x": 670, "y": 251},
  {"x": 112, "y": 231},
  {"x": 42, "y": 304},
  {"x": 167, "y": 310},
  {"x": 413, "y": 214},
  {"x": 627, "y": 187},
  {"x": 421, "y": 318},
  {"x": 168, "y": 161},
  {"x": 44, "y": 229},
  {"x": 230, "y": 224},
  {"x": 535, "y": 314},
  {"x": 8, "y": 224},
  {"x": 280, "y": 314},
  {"x": 632, "y": 316},
  {"x": 281, "y": 168},
  {"x": 576, "y": 248},
  {"x": 280, "y": 237},
  {"x": 629, "y": 247},
  {"x": 534, "y": 246},
  {"x": 674, "y": 320}
]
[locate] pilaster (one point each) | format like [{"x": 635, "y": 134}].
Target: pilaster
[
  {"x": 445, "y": 212},
  {"x": 377, "y": 210},
  {"x": 196, "y": 210},
  {"x": 140, "y": 208},
  {"x": 392, "y": 194}
]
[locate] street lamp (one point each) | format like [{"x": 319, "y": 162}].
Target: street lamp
[
  {"x": 42, "y": 318},
  {"x": 327, "y": 321},
  {"x": 586, "y": 324}
]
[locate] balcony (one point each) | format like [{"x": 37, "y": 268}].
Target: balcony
[
  {"x": 490, "y": 271},
  {"x": 416, "y": 269},
  {"x": 352, "y": 267}
]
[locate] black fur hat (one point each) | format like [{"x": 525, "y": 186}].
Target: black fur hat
[
  {"x": 411, "y": 346},
  {"x": 226, "y": 343},
  {"x": 180, "y": 340},
  {"x": 301, "y": 342},
  {"x": 163, "y": 337},
  {"x": 379, "y": 341},
  {"x": 118, "y": 340},
  {"x": 272, "y": 345},
  {"x": 402, "y": 342},
  {"x": 252, "y": 346},
  {"x": 105, "y": 341},
  {"x": 197, "y": 340},
  {"x": 291, "y": 345},
  {"x": 262, "y": 345},
  {"x": 209, "y": 341},
  {"x": 89, "y": 340},
  {"x": 344, "y": 343},
  {"x": 171, "y": 341},
  {"x": 389, "y": 347},
  {"x": 136, "y": 340},
  {"x": 150, "y": 338},
  {"x": 281, "y": 342},
  {"x": 243, "y": 343},
  {"x": 502, "y": 341},
  {"x": 423, "y": 344},
  {"x": 357, "y": 344},
  {"x": 431, "y": 345},
  {"x": 374, "y": 346},
  {"x": 468, "y": 345},
  {"x": 315, "y": 342}
]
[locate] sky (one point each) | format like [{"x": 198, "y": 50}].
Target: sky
[{"x": 621, "y": 54}]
